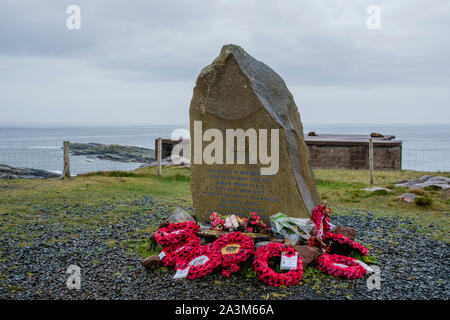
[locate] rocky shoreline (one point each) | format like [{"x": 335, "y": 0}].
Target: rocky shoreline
[
  {"x": 9, "y": 172},
  {"x": 113, "y": 152}
]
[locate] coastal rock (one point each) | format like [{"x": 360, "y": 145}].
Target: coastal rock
[
  {"x": 407, "y": 197},
  {"x": 185, "y": 163},
  {"x": 373, "y": 189},
  {"x": 426, "y": 181},
  {"x": 238, "y": 92},
  {"x": 151, "y": 262},
  {"x": 9, "y": 172},
  {"x": 113, "y": 152},
  {"x": 346, "y": 232},
  {"x": 309, "y": 254},
  {"x": 180, "y": 215}
]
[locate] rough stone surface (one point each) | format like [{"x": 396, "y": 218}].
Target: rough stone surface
[
  {"x": 407, "y": 197},
  {"x": 9, "y": 172},
  {"x": 426, "y": 181},
  {"x": 373, "y": 189},
  {"x": 346, "y": 232},
  {"x": 151, "y": 262},
  {"x": 180, "y": 215},
  {"x": 239, "y": 92},
  {"x": 309, "y": 254}
]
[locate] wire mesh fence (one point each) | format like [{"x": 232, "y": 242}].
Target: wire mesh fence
[
  {"x": 52, "y": 160},
  {"x": 44, "y": 159},
  {"x": 433, "y": 160},
  {"x": 419, "y": 159}
]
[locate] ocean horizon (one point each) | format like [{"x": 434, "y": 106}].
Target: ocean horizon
[{"x": 426, "y": 147}]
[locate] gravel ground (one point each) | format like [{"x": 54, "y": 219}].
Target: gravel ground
[{"x": 413, "y": 266}]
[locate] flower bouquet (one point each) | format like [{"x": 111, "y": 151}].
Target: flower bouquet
[{"x": 252, "y": 224}]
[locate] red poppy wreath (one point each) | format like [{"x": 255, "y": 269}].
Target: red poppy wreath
[
  {"x": 340, "y": 266},
  {"x": 181, "y": 250},
  {"x": 175, "y": 232},
  {"x": 204, "y": 262},
  {"x": 267, "y": 274},
  {"x": 233, "y": 248},
  {"x": 343, "y": 245}
]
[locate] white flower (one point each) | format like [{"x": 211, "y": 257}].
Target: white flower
[
  {"x": 231, "y": 222},
  {"x": 228, "y": 224}
]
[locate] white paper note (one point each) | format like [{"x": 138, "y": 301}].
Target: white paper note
[{"x": 288, "y": 263}]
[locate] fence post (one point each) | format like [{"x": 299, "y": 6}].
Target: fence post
[
  {"x": 159, "y": 155},
  {"x": 371, "y": 159},
  {"x": 66, "y": 170}
]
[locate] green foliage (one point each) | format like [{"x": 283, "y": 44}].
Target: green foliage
[
  {"x": 423, "y": 201},
  {"x": 114, "y": 173},
  {"x": 311, "y": 274},
  {"x": 336, "y": 184},
  {"x": 418, "y": 192},
  {"x": 432, "y": 188},
  {"x": 171, "y": 174},
  {"x": 366, "y": 259},
  {"x": 247, "y": 269},
  {"x": 381, "y": 192},
  {"x": 143, "y": 247}
]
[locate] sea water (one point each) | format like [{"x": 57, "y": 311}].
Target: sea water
[{"x": 425, "y": 147}]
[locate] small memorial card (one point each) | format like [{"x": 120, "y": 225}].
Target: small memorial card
[
  {"x": 288, "y": 263},
  {"x": 181, "y": 274},
  {"x": 161, "y": 255}
]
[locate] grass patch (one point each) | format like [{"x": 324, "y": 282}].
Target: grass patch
[
  {"x": 423, "y": 201},
  {"x": 247, "y": 270},
  {"x": 142, "y": 247},
  {"x": 168, "y": 173},
  {"x": 104, "y": 198}
]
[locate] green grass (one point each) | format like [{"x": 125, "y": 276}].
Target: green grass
[
  {"x": 423, "y": 201},
  {"x": 43, "y": 201},
  {"x": 342, "y": 190}
]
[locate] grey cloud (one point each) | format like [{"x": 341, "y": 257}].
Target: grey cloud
[
  {"x": 310, "y": 43},
  {"x": 142, "y": 44}
]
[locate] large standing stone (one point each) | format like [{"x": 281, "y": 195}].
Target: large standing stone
[{"x": 239, "y": 92}]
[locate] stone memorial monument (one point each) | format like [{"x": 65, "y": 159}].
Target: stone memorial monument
[{"x": 247, "y": 148}]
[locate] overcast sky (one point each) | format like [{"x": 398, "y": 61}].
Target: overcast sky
[{"x": 137, "y": 61}]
